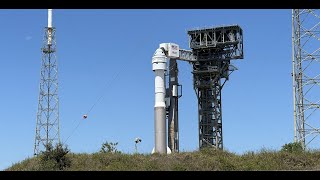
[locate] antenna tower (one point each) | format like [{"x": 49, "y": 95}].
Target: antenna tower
[{"x": 47, "y": 126}]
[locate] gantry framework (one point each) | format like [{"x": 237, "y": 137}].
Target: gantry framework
[
  {"x": 172, "y": 96},
  {"x": 213, "y": 49},
  {"x": 305, "y": 75},
  {"x": 47, "y": 126}
]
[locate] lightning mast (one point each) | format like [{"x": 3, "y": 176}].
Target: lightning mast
[
  {"x": 47, "y": 125},
  {"x": 305, "y": 74}
]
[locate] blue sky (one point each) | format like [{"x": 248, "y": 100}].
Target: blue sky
[{"x": 109, "y": 52}]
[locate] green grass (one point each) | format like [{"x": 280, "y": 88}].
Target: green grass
[{"x": 204, "y": 160}]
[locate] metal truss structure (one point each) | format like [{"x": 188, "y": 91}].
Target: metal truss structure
[
  {"x": 305, "y": 75},
  {"x": 172, "y": 96},
  {"x": 47, "y": 125},
  {"x": 213, "y": 48}
]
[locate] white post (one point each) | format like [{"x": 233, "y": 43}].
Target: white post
[
  {"x": 49, "y": 26},
  {"x": 294, "y": 82},
  {"x": 49, "y": 18}
]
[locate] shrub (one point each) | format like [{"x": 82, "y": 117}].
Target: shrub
[
  {"x": 109, "y": 147},
  {"x": 54, "y": 158},
  {"x": 292, "y": 147}
]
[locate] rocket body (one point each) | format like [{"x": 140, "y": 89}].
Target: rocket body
[{"x": 159, "y": 61}]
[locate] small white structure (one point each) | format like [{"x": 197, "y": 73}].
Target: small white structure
[{"x": 168, "y": 150}]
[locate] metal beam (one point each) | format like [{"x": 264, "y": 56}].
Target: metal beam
[
  {"x": 173, "y": 128},
  {"x": 187, "y": 55}
]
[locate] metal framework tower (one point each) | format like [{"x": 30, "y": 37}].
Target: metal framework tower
[
  {"x": 305, "y": 74},
  {"x": 172, "y": 96},
  {"x": 213, "y": 48},
  {"x": 47, "y": 125}
]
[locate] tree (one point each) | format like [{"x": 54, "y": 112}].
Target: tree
[
  {"x": 55, "y": 157},
  {"x": 109, "y": 147}
]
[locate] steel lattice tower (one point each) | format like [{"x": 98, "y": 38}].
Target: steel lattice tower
[
  {"x": 208, "y": 89},
  {"x": 306, "y": 74},
  {"x": 47, "y": 126},
  {"x": 213, "y": 48}
]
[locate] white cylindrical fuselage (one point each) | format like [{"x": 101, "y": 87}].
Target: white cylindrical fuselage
[
  {"x": 159, "y": 61},
  {"x": 160, "y": 89}
]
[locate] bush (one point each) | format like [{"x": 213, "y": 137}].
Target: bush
[
  {"x": 109, "y": 147},
  {"x": 295, "y": 147},
  {"x": 54, "y": 158}
]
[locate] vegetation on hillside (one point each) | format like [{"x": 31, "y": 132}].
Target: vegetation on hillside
[{"x": 203, "y": 160}]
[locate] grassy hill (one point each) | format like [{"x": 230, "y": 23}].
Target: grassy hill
[{"x": 204, "y": 160}]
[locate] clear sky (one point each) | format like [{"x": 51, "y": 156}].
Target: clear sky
[{"x": 109, "y": 52}]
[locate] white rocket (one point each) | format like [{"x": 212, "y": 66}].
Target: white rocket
[{"x": 159, "y": 61}]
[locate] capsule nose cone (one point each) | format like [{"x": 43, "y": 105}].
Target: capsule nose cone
[{"x": 159, "y": 52}]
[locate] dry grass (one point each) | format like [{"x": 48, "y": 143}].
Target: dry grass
[{"x": 204, "y": 160}]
